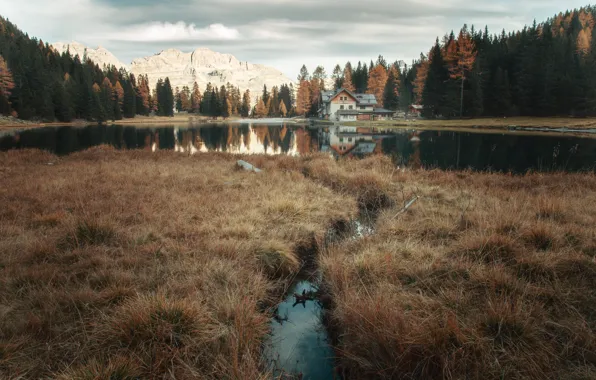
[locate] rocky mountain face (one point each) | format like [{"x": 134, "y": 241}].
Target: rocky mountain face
[
  {"x": 100, "y": 56},
  {"x": 202, "y": 66}
]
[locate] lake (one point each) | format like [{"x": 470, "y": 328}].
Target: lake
[{"x": 516, "y": 152}]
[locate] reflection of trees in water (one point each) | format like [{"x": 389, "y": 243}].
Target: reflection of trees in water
[
  {"x": 442, "y": 149},
  {"x": 507, "y": 152}
]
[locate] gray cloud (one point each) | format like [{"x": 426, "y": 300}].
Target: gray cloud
[{"x": 280, "y": 33}]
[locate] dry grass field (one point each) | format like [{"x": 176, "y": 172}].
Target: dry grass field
[
  {"x": 486, "y": 276},
  {"x": 123, "y": 265}
]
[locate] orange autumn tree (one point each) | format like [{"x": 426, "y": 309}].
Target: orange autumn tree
[
  {"x": 6, "y": 80},
  {"x": 421, "y": 75},
  {"x": 460, "y": 57},
  {"x": 303, "y": 98},
  {"x": 377, "y": 79},
  {"x": 348, "y": 84}
]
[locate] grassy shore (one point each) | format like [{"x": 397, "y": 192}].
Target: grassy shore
[
  {"x": 486, "y": 123},
  {"x": 8, "y": 123},
  {"x": 159, "y": 265}
]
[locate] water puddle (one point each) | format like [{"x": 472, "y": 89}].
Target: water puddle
[{"x": 299, "y": 347}]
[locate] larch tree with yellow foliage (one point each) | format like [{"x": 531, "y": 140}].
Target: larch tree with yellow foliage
[{"x": 460, "y": 58}]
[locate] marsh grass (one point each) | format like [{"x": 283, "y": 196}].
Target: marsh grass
[
  {"x": 487, "y": 276},
  {"x": 133, "y": 265},
  {"x": 127, "y": 265}
]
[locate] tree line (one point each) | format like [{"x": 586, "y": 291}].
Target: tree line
[
  {"x": 546, "y": 69},
  {"x": 38, "y": 83}
]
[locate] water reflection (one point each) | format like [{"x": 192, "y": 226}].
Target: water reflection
[
  {"x": 299, "y": 343},
  {"x": 517, "y": 152}
]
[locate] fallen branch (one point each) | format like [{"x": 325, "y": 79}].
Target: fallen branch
[{"x": 406, "y": 207}]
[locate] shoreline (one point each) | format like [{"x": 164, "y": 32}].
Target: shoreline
[{"x": 517, "y": 124}]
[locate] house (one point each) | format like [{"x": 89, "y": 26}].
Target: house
[
  {"x": 344, "y": 105},
  {"x": 415, "y": 109}
]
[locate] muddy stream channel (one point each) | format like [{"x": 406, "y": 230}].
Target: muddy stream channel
[{"x": 300, "y": 345}]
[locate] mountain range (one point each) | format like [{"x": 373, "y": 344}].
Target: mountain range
[{"x": 184, "y": 69}]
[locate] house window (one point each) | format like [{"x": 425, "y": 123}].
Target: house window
[
  {"x": 362, "y": 107},
  {"x": 351, "y": 107},
  {"x": 350, "y": 139},
  {"x": 341, "y": 139},
  {"x": 341, "y": 107}
]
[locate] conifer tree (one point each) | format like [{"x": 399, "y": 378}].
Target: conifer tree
[
  {"x": 129, "y": 104},
  {"x": 347, "y": 81},
  {"x": 245, "y": 109},
  {"x": 265, "y": 95},
  {"x": 461, "y": 56},
  {"x": 338, "y": 78},
  {"x": 196, "y": 98},
  {"x": 377, "y": 80},
  {"x": 433, "y": 95},
  {"x": 6, "y": 86},
  {"x": 391, "y": 90},
  {"x": 283, "y": 111},
  {"x": 185, "y": 99},
  {"x": 261, "y": 109},
  {"x": 303, "y": 98}
]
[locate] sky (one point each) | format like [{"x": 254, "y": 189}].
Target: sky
[{"x": 284, "y": 34}]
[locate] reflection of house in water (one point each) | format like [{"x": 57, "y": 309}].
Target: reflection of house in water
[{"x": 356, "y": 141}]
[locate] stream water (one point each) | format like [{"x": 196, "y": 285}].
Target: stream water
[{"x": 299, "y": 345}]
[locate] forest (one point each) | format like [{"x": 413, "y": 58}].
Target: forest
[
  {"x": 547, "y": 69},
  {"x": 37, "y": 83}
]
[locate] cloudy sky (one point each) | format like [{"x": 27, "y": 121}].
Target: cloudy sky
[{"x": 281, "y": 33}]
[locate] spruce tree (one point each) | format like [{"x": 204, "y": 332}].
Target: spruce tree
[{"x": 433, "y": 96}]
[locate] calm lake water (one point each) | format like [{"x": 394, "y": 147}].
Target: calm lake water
[{"x": 512, "y": 151}]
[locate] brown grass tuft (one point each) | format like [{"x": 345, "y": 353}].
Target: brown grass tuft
[{"x": 492, "y": 249}]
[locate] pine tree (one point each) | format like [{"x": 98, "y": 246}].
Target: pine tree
[
  {"x": 196, "y": 98},
  {"x": 98, "y": 112},
  {"x": 502, "y": 95},
  {"x": 129, "y": 105},
  {"x": 338, "y": 78},
  {"x": 177, "y": 100},
  {"x": 391, "y": 90},
  {"x": 265, "y": 95},
  {"x": 304, "y": 75},
  {"x": 206, "y": 101},
  {"x": 107, "y": 98},
  {"x": 433, "y": 95},
  {"x": 245, "y": 109}
]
